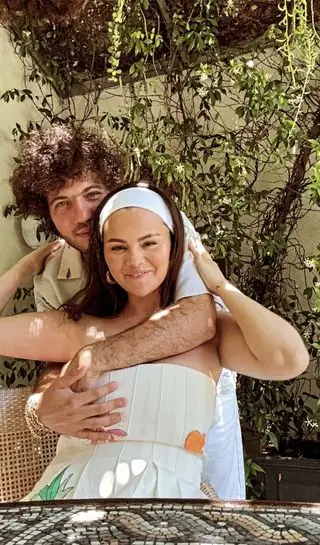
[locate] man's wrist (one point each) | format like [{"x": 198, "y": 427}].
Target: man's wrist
[
  {"x": 94, "y": 357},
  {"x": 100, "y": 355}
]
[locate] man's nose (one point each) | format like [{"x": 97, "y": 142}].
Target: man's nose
[{"x": 83, "y": 211}]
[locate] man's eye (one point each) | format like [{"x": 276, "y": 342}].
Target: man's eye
[
  {"x": 61, "y": 204},
  {"x": 94, "y": 195}
]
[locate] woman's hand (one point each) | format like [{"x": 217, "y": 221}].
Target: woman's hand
[
  {"x": 30, "y": 264},
  {"x": 208, "y": 269},
  {"x": 36, "y": 260},
  {"x": 252, "y": 340}
]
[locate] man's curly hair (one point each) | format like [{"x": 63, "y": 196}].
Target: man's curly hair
[{"x": 48, "y": 158}]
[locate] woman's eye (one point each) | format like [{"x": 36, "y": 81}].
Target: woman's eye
[
  {"x": 117, "y": 248},
  {"x": 150, "y": 243}
]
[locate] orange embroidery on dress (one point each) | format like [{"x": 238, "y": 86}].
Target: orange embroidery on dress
[{"x": 195, "y": 442}]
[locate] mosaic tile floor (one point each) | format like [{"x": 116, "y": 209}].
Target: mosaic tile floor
[{"x": 145, "y": 523}]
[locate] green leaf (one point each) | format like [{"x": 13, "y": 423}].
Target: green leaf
[
  {"x": 51, "y": 490},
  {"x": 273, "y": 438},
  {"x": 258, "y": 469}
]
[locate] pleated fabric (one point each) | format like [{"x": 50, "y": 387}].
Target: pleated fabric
[{"x": 157, "y": 450}]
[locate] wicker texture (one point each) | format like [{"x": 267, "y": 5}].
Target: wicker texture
[
  {"x": 23, "y": 458},
  {"x": 207, "y": 489}
]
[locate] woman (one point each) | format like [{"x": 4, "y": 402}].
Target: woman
[{"x": 136, "y": 250}]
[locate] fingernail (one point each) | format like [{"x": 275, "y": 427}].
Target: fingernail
[{"x": 123, "y": 417}]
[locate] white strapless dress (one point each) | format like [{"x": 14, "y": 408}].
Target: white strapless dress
[{"x": 156, "y": 451}]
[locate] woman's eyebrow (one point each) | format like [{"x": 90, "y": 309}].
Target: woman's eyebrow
[
  {"x": 141, "y": 238},
  {"x": 149, "y": 236}
]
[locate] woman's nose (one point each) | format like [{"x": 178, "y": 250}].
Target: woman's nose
[{"x": 134, "y": 257}]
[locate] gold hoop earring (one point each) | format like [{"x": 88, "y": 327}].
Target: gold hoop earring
[{"x": 109, "y": 278}]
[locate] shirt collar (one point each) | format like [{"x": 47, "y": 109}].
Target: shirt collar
[{"x": 71, "y": 265}]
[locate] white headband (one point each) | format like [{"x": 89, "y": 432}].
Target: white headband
[{"x": 136, "y": 197}]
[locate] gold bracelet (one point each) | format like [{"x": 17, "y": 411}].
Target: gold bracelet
[{"x": 36, "y": 427}]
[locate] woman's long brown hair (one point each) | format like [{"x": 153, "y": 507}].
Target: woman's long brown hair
[{"x": 98, "y": 297}]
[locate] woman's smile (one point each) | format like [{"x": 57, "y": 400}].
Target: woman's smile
[{"x": 138, "y": 275}]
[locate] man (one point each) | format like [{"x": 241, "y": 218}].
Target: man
[{"x": 62, "y": 176}]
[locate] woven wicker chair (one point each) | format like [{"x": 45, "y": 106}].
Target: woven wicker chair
[{"x": 23, "y": 459}]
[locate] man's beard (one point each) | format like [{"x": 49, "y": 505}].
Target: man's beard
[{"x": 74, "y": 244}]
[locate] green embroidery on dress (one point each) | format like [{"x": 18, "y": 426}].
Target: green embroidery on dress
[{"x": 56, "y": 490}]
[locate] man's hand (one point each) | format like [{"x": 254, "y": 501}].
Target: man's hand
[
  {"x": 78, "y": 414},
  {"x": 82, "y": 364}
]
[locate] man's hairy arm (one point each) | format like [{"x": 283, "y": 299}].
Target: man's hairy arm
[{"x": 182, "y": 327}]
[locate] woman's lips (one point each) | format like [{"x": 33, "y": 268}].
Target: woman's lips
[{"x": 138, "y": 275}]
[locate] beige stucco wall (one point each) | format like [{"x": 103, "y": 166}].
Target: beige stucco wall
[
  {"x": 11, "y": 76},
  {"x": 11, "y": 242}
]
